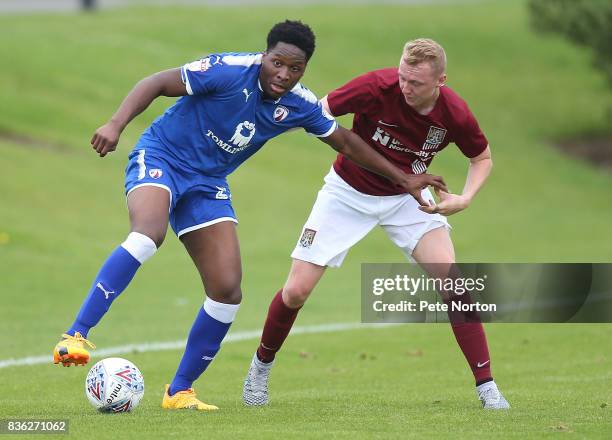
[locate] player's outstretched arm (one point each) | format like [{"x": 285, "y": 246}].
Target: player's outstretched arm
[
  {"x": 166, "y": 83},
  {"x": 353, "y": 147},
  {"x": 480, "y": 168}
]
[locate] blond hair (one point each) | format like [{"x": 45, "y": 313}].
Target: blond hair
[{"x": 424, "y": 49}]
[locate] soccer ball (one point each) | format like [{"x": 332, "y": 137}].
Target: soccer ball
[{"x": 114, "y": 385}]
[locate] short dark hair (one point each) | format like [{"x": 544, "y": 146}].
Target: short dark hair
[{"x": 293, "y": 32}]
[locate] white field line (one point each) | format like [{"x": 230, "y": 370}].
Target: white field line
[{"x": 180, "y": 344}]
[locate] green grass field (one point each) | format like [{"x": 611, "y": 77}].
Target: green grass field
[{"x": 62, "y": 211}]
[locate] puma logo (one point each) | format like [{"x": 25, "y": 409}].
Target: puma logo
[
  {"x": 106, "y": 292},
  {"x": 246, "y": 94}
]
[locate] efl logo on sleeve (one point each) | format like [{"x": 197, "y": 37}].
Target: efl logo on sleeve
[
  {"x": 307, "y": 237},
  {"x": 205, "y": 64},
  {"x": 199, "y": 66}
]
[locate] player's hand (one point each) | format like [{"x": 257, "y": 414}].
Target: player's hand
[
  {"x": 449, "y": 203},
  {"x": 413, "y": 184},
  {"x": 106, "y": 138}
]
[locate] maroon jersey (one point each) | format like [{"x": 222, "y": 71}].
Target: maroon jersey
[{"x": 406, "y": 138}]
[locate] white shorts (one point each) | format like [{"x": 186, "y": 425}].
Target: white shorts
[{"x": 341, "y": 216}]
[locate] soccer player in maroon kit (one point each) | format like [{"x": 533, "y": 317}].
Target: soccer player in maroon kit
[{"x": 408, "y": 115}]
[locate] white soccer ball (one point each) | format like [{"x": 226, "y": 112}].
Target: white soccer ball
[{"x": 114, "y": 385}]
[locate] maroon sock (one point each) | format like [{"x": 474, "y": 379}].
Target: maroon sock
[
  {"x": 470, "y": 336},
  {"x": 278, "y": 324},
  {"x": 473, "y": 342}
]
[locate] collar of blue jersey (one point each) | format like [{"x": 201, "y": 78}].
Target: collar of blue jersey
[{"x": 261, "y": 90}]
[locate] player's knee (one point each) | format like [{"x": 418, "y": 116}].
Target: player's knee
[
  {"x": 295, "y": 294},
  {"x": 228, "y": 292},
  {"x": 234, "y": 296},
  {"x": 156, "y": 233},
  {"x": 140, "y": 246},
  {"x": 159, "y": 239}
]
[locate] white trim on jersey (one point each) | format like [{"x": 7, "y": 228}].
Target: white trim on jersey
[
  {"x": 185, "y": 79},
  {"x": 304, "y": 93},
  {"x": 328, "y": 132},
  {"x": 242, "y": 60},
  {"x": 203, "y": 225}
]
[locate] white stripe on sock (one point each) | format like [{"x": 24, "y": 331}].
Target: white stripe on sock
[
  {"x": 225, "y": 313},
  {"x": 139, "y": 246}
]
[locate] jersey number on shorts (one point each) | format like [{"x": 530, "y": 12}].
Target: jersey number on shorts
[{"x": 222, "y": 193}]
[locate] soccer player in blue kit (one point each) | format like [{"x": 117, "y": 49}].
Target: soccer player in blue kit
[{"x": 230, "y": 104}]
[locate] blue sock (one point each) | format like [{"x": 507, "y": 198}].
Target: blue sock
[
  {"x": 203, "y": 343},
  {"x": 113, "y": 278}
]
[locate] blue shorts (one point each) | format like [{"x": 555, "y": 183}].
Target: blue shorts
[{"x": 196, "y": 201}]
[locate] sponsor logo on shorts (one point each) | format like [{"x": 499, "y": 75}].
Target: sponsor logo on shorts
[
  {"x": 155, "y": 173},
  {"x": 307, "y": 237},
  {"x": 280, "y": 113}
]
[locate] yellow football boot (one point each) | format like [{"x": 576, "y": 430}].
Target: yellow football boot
[
  {"x": 71, "y": 350},
  {"x": 185, "y": 400}
]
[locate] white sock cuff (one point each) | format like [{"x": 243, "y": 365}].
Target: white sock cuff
[
  {"x": 139, "y": 246},
  {"x": 225, "y": 313}
]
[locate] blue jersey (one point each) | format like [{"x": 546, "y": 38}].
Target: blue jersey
[{"x": 225, "y": 119}]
